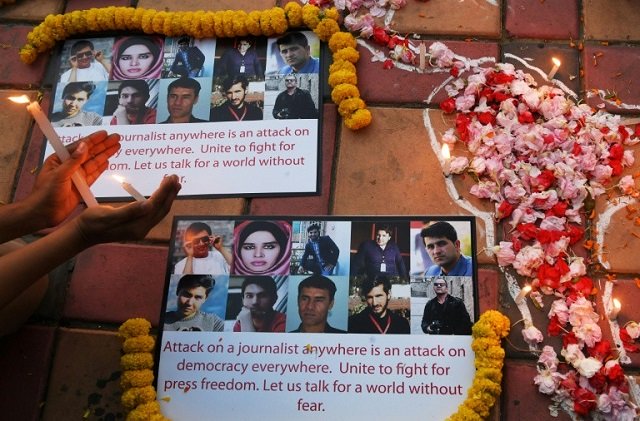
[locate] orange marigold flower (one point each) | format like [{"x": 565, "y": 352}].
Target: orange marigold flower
[
  {"x": 358, "y": 120},
  {"x": 136, "y": 378},
  {"x": 349, "y": 54},
  {"x": 137, "y": 361},
  {"x": 139, "y": 344},
  {"x": 137, "y": 395},
  {"x": 134, "y": 327},
  {"x": 341, "y": 40},
  {"x": 326, "y": 28},
  {"x": 349, "y": 106},
  {"x": 343, "y": 91},
  {"x": 293, "y": 12},
  {"x": 342, "y": 76}
]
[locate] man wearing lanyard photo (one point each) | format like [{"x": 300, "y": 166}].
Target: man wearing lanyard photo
[
  {"x": 379, "y": 256},
  {"x": 376, "y": 317},
  {"x": 235, "y": 108}
]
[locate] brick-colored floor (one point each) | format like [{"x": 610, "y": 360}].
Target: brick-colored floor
[{"x": 64, "y": 363}]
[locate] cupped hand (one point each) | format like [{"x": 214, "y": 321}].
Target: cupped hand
[
  {"x": 54, "y": 196},
  {"x": 103, "y": 224}
]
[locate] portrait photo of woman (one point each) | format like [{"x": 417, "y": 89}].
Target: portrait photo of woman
[
  {"x": 262, "y": 248},
  {"x": 137, "y": 57}
]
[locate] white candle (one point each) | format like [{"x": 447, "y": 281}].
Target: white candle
[
  {"x": 446, "y": 156},
  {"x": 62, "y": 152},
  {"x": 554, "y": 69},
  {"x": 630, "y": 121},
  {"x": 130, "y": 189},
  {"x": 615, "y": 309},
  {"x": 523, "y": 293},
  {"x": 423, "y": 53}
]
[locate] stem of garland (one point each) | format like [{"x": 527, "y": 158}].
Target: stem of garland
[{"x": 221, "y": 24}]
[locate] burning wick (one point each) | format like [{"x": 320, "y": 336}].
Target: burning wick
[
  {"x": 62, "y": 152},
  {"x": 523, "y": 293},
  {"x": 554, "y": 69},
  {"x": 613, "y": 313},
  {"x": 129, "y": 188},
  {"x": 447, "y": 158}
]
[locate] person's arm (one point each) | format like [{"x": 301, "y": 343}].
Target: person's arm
[
  {"x": 334, "y": 252},
  {"x": 308, "y": 107},
  {"x": 217, "y": 244},
  {"x": 100, "y": 58},
  {"x": 120, "y": 116},
  {"x": 305, "y": 257},
  {"x": 402, "y": 269},
  {"x": 462, "y": 321},
  {"x": 73, "y": 71},
  {"x": 54, "y": 196},
  {"x": 99, "y": 224},
  {"x": 426, "y": 319}
]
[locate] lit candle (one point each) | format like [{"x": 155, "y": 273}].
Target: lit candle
[
  {"x": 615, "y": 309},
  {"x": 129, "y": 188},
  {"x": 446, "y": 156},
  {"x": 62, "y": 152},
  {"x": 554, "y": 69},
  {"x": 523, "y": 293}
]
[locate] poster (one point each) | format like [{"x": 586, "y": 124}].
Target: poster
[
  {"x": 302, "y": 318},
  {"x": 244, "y": 110}
]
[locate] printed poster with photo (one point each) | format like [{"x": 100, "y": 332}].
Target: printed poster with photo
[
  {"x": 314, "y": 312},
  {"x": 232, "y": 117}
]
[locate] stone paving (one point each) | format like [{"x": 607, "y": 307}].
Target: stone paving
[{"x": 63, "y": 364}]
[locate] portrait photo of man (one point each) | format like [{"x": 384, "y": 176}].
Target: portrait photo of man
[
  {"x": 132, "y": 104},
  {"x": 259, "y": 295},
  {"x": 445, "y": 314},
  {"x": 443, "y": 247},
  {"x": 182, "y": 95},
  {"x": 192, "y": 292},
  {"x": 320, "y": 253},
  {"x": 205, "y": 252},
  {"x": 86, "y": 63},
  {"x": 294, "y": 102},
  {"x": 295, "y": 50},
  {"x": 380, "y": 255},
  {"x": 235, "y": 106},
  {"x": 316, "y": 298},
  {"x": 376, "y": 316},
  {"x": 188, "y": 61},
  {"x": 75, "y": 96}
]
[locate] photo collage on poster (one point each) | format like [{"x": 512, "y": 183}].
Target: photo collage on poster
[
  {"x": 155, "y": 80},
  {"x": 409, "y": 275}
]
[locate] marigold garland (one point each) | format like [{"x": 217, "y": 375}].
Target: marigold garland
[
  {"x": 487, "y": 333},
  {"x": 209, "y": 24},
  {"x": 138, "y": 393}
]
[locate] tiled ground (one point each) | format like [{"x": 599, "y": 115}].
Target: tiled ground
[{"x": 64, "y": 363}]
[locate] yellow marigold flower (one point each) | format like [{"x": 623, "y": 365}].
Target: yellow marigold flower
[
  {"x": 465, "y": 414},
  {"x": 144, "y": 412},
  {"x": 493, "y": 374},
  {"x": 208, "y": 29},
  {"x": 310, "y": 16},
  {"x": 218, "y": 24},
  {"x": 350, "y": 105},
  {"x": 139, "y": 344},
  {"x": 28, "y": 54},
  {"x": 136, "y": 361},
  {"x": 326, "y": 28},
  {"x": 265, "y": 23},
  {"x": 253, "y": 23},
  {"x": 342, "y": 65},
  {"x": 349, "y": 54},
  {"x": 332, "y": 13},
  {"x": 342, "y": 76},
  {"x": 343, "y": 91},
  {"x": 293, "y": 11},
  {"x": 137, "y": 395},
  {"x": 136, "y": 19},
  {"x": 91, "y": 17},
  {"x": 279, "y": 21},
  {"x": 341, "y": 40},
  {"x": 134, "y": 327},
  {"x": 361, "y": 118},
  {"x": 227, "y": 23},
  {"x": 147, "y": 21},
  {"x": 239, "y": 23},
  {"x": 136, "y": 378}
]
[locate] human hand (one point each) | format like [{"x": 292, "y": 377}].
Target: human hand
[
  {"x": 188, "y": 248},
  {"x": 103, "y": 224},
  {"x": 73, "y": 62},
  {"x": 98, "y": 55},
  {"x": 121, "y": 115},
  {"x": 216, "y": 240},
  {"x": 54, "y": 196}
]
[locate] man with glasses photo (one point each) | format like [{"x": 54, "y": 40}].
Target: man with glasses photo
[
  {"x": 445, "y": 314},
  {"x": 201, "y": 257},
  {"x": 293, "y": 102},
  {"x": 86, "y": 64}
]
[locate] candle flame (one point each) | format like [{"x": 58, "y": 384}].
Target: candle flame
[
  {"x": 556, "y": 62},
  {"x": 20, "y": 99},
  {"x": 445, "y": 152},
  {"x": 118, "y": 178},
  {"x": 616, "y": 304},
  {"x": 526, "y": 289}
]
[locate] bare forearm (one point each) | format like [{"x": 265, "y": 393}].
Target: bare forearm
[
  {"x": 21, "y": 268},
  {"x": 18, "y": 219}
]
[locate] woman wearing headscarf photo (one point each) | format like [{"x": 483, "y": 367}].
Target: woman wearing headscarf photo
[
  {"x": 262, "y": 248},
  {"x": 137, "y": 57}
]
